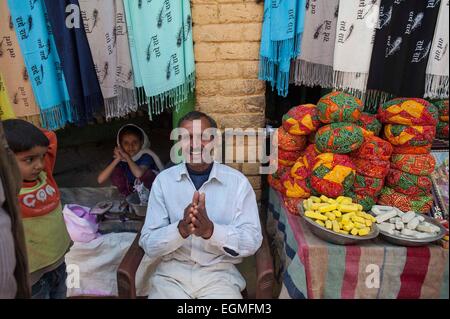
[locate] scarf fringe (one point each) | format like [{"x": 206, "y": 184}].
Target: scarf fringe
[
  {"x": 93, "y": 104},
  {"x": 374, "y": 99},
  {"x": 311, "y": 74},
  {"x": 140, "y": 95},
  {"x": 436, "y": 86},
  {"x": 56, "y": 117},
  {"x": 354, "y": 83},
  {"x": 121, "y": 105},
  {"x": 172, "y": 98},
  {"x": 269, "y": 66}
]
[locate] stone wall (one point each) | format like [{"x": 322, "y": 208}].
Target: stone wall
[{"x": 227, "y": 37}]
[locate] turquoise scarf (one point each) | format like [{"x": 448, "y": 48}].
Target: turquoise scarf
[
  {"x": 42, "y": 62},
  {"x": 162, "y": 53},
  {"x": 282, "y": 31}
]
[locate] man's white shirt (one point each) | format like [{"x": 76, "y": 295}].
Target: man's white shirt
[{"x": 230, "y": 205}]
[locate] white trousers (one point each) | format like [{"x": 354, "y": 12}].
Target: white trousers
[{"x": 174, "y": 279}]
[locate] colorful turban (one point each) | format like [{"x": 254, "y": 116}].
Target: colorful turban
[
  {"x": 412, "y": 149},
  {"x": 301, "y": 169},
  {"x": 287, "y": 158},
  {"x": 442, "y": 130},
  {"x": 274, "y": 179},
  {"x": 289, "y": 142},
  {"x": 339, "y": 138},
  {"x": 408, "y": 184},
  {"x": 374, "y": 148},
  {"x": 417, "y": 164},
  {"x": 402, "y": 135},
  {"x": 292, "y": 204},
  {"x": 371, "y": 168},
  {"x": 294, "y": 187},
  {"x": 408, "y": 111},
  {"x": 310, "y": 154},
  {"x": 339, "y": 107},
  {"x": 442, "y": 106},
  {"x": 364, "y": 200},
  {"x": 332, "y": 175},
  {"x": 301, "y": 120},
  {"x": 370, "y": 123},
  {"x": 419, "y": 204},
  {"x": 368, "y": 186}
]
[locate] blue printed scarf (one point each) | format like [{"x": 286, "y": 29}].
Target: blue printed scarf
[
  {"x": 282, "y": 31},
  {"x": 42, "y": 62}
]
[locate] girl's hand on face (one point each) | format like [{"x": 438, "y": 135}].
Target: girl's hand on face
[
  {"x": 117, "y": 154},
  {"x": 124, "y": 154}
]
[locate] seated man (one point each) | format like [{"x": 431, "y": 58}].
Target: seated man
[{"x": 202, "y": 219}]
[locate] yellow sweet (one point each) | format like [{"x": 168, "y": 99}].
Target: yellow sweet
[
  {"x": 336, "y": 227},
  {"x": 359, "y": 225},
  {"x": 330, "y": 216},
  {"x": 337, "y": 213},
  {"x": 348, "y": 208},
  {"x": 364, "y": 231},
  {"x": 321, "y": 223},
  {"x": 346, "y": 200},
  {"x": 348, "y": 227},
  {"x": 354, "y": 231},
  {"x": 328, "y": 208},
  {"x": 343, "y": 232},
  {"x": 368, "y": 223},
  {"x": 315, "y": 215},
  {"x": 315, "y": 199},
  {"x": 328, "y": 224},
  {"x": 358, "y": 219}
]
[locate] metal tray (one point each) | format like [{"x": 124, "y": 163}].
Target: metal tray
[
  {"x": 403, "y": 241},
  {"x": 332, "y": 237}
]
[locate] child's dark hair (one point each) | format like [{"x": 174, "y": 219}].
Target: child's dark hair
[
  {"x": 23, "y": 136},
  {"x": 132, "y": 130}
]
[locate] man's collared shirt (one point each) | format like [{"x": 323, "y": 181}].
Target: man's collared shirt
[{"x": 230, "y": 205}]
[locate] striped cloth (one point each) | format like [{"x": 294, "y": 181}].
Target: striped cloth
[{"x": 314, "y": 269}]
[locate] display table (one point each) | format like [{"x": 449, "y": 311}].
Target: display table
[{"x": 313, "y": 268}]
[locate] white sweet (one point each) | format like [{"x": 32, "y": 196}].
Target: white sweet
[
  {"x": 412, "y": 224},
  {"x": 399, "y": 212},
  {"x": 408, "y": 217},
  {"x": 384, "y": 217},
  {"x": 386, "y": 227},
  {"x": 399, "y": 225},
  {"x": 426, "y": 228},
  {"x": 380, "y": 210}
]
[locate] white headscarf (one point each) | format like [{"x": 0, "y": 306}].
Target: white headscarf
[{"x": 145, "y": 149}]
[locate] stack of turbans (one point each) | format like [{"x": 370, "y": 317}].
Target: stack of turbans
[
  {"x": 410, "y": 126},
  {"x": 442, "y": 126},
  {"x": 291, "y": 178},
  {"x": 372, "y": 165}
]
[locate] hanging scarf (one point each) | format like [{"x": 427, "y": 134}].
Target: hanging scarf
[
  {"x": 15, "y": 74},
  {"x": 282, "y": 31},
  {"x": 43, "y": 64},
  {"x": 163, "y": 53},
  {"x": 314, "y": 65},
  {"x": 105, "y": 27},
  {"x": 76, "y": 60},
  {"x": 353, "y": 47},
  {"x": 402, "y": 45},
  {"x": 436, "y": 78},
  {"x": 6, "y": 111}
]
